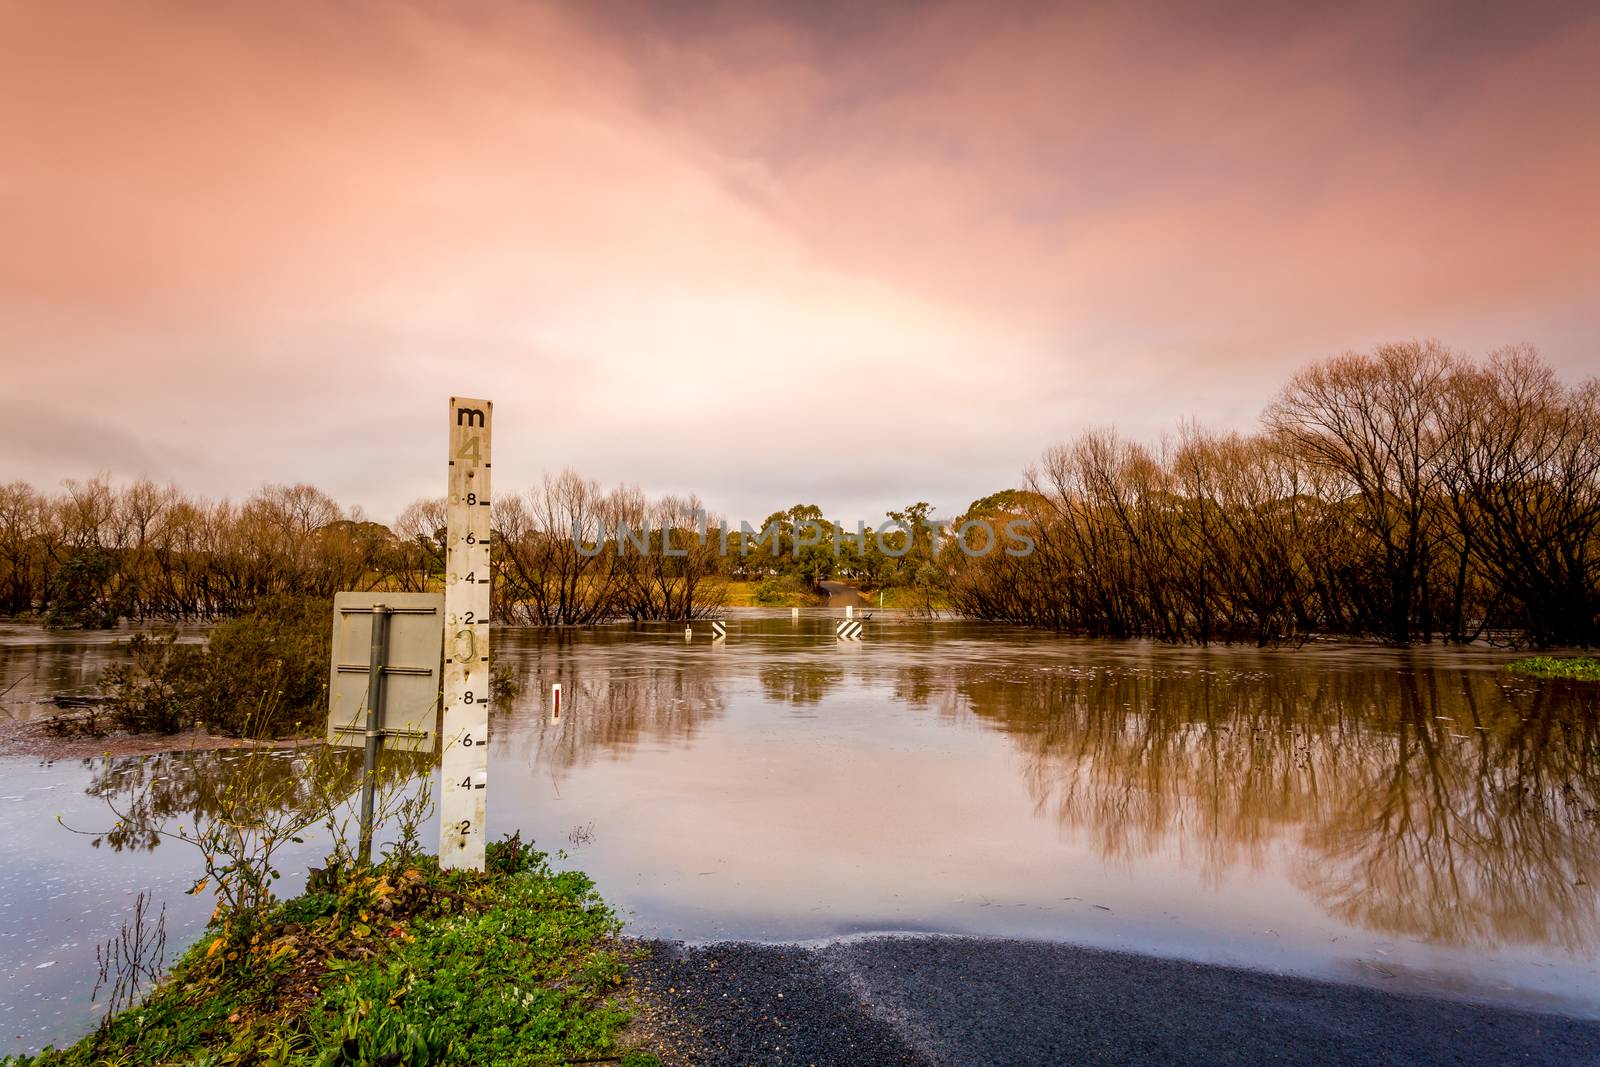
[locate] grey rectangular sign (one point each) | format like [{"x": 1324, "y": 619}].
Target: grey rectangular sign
[{"x": 411, "y": 679}]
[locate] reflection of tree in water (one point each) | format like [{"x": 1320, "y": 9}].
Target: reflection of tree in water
[
  {"x": 150, "y": 791},
  {"x": 799, "y": 684},
  {"x": 1428, "y": 803},
  {"x": 610, "y": 706},
  {"x": 918, "y": 685},
  {"x": 1478, "y": 838}
]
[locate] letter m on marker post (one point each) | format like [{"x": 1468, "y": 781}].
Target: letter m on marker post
[{"x": 469, "y": 416}]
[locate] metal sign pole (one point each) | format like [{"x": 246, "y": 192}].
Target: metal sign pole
[
  {"x": 464, "y": 764},
  {"x": 374, "y": 738}
]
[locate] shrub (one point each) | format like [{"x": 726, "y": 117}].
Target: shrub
[
  {"x": 78, "y": 594},
  {"x": 261, "y": 674},
  {"x": 276, "y": 658},
  {"x": 782, "y": 589}
]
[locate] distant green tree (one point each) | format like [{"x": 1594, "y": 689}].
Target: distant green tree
[
  {"x": 1005, "y": 502},
  {"x": 81, "y": 595}
]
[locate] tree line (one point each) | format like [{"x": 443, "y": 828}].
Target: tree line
[
  {"x": 96, "y": 553},
  {"x": 1408, "y": 494}
]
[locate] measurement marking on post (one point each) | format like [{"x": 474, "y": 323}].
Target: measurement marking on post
[{"x": 464, "y": 765}]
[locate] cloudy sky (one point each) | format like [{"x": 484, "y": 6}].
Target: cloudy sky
[{"x": 839, "y": 253}]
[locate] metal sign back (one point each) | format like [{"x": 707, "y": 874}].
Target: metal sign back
[{"x": 411, "y": 678}]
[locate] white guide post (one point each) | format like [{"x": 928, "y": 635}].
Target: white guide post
[{"x": 464, "y": 764}]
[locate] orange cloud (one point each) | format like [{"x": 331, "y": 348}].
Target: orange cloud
[{"x": 763, "y": 252}]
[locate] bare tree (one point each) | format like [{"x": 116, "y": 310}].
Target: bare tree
[{"x": 1373, "y": 424}]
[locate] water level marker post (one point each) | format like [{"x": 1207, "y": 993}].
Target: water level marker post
[{"x": 464, "y": 763}]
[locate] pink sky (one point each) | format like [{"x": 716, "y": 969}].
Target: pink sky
[{"x": 770, "y": 253}]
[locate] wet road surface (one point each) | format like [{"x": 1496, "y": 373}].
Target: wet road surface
[{"x": 974, "y": 1001}]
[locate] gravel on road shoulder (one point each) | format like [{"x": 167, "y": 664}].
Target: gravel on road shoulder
[{"x": 741, "y": 1003}]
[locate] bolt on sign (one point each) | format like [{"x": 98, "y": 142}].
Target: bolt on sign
[
  {"x": 409, "y": 712},
  {"x": 464, "y": 764}
]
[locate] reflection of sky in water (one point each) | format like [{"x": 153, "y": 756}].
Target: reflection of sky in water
[{"x": 1411, "y": 819}]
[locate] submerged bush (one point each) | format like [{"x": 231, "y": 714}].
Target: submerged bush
[{"x": 261, "y": 674}]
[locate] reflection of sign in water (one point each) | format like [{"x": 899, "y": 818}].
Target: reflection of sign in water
[
  {"x": 464, "y": 766},
  {"x": 410, "y": 682}
]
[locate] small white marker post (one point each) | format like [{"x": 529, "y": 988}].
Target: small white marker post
[
  {"x": 464, "y": 765},
  {"x": 794, "y": 614},
  {"x": 849, "y": 611},
  {"x": 555, "y": 703}
]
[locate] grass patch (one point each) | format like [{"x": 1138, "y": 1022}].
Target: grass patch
[
  {"x": 1582, "y": 668},
  {"x": 519, "y": 964},
  {"x": 783, "y": 592}
]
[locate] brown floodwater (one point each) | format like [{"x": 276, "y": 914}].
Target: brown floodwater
[{"x": 1412, "y": 819}]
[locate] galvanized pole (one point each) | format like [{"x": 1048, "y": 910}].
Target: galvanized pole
[{"x": 378, "y": 660}]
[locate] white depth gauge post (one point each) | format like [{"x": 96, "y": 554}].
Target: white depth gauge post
[{"x": 464, "y": 764}]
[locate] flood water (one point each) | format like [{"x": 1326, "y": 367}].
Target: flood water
[{"x": 1408, "y": 819}]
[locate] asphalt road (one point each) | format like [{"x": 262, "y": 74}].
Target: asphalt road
[
  {"x": 841, "y": 595},
  {"x": 967, "y": 1001}
]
